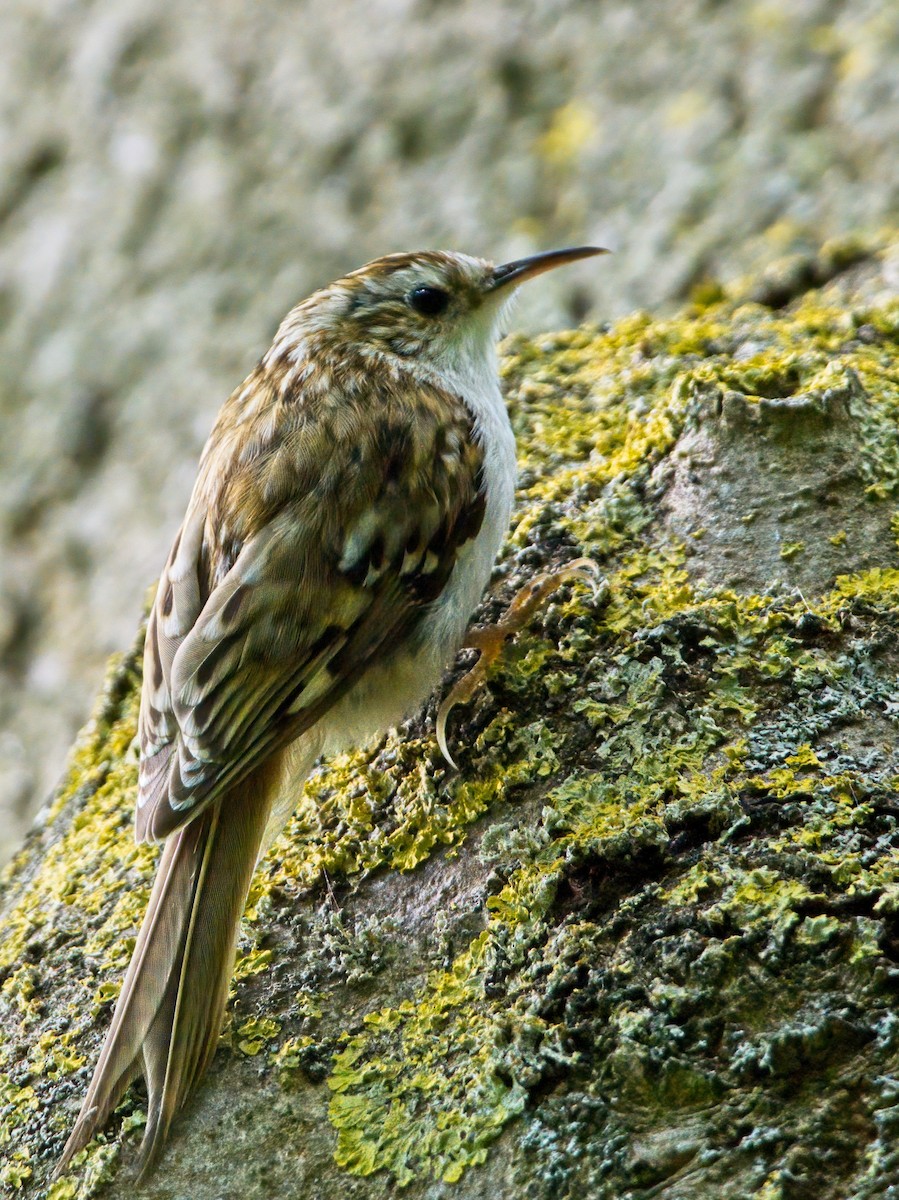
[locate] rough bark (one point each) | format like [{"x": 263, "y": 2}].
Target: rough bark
[{"x": 644, "y": 942}]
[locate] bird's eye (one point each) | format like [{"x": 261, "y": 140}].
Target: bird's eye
[{"x": 429, "y": 301}]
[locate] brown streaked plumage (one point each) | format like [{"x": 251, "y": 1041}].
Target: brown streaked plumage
[
  {"x": 349, "y": 505},
  {"x": 308, "y": 553}
]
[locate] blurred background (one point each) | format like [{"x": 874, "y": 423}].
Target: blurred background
[{"x": 173, "y": 177}]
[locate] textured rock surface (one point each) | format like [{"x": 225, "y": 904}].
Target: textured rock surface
[
  {"x": 173, "y": 177},
  {"x": 645, "y": 942}
]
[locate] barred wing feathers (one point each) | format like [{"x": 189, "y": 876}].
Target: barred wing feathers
[{"x": 295, "y": 568}]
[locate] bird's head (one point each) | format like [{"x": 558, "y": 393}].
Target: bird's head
[{"x": 436, "y": 308}]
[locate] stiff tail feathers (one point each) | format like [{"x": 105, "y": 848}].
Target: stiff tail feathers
[{"x": 169, "y": 1013}]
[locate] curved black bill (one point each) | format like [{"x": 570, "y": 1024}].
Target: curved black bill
[{"x": 526, "y": 268}]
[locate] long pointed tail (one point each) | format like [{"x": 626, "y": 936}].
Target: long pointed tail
[{"x": 176, "y": 987}]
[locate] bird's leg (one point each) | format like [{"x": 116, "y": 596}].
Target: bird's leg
[{"x": 490, "y": 639}]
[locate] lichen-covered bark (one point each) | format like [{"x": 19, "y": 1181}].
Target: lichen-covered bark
[{"x": 644, "y": 943}]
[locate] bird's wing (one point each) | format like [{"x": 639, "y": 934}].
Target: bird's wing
[{"x": 290, "y": 576}]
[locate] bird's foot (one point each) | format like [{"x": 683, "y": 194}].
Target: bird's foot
[{"x": 490, "y": 639}]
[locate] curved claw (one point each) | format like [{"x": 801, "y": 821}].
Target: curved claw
[
  {"x": 490, "y": 639},
  {"x": 586, "y": 570},
  {"x": 443, "y": 713}
]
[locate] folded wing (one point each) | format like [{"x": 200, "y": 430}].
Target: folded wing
[{"x": 293, "y": 571}]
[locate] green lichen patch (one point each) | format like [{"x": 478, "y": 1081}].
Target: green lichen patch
[
  {"x": 81, "y": 908},
  {"x": 426, "y": 1087}
]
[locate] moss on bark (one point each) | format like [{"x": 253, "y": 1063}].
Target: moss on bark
[{"x": 644, "y": 942}]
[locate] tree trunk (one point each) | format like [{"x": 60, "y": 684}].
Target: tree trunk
[{"x": 645, "y": 941}]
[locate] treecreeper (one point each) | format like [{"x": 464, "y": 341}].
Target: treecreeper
[{"x": 348, "y": 509}]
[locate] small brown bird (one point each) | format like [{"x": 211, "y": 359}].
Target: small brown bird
[{"x": 349, "y": 506}]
